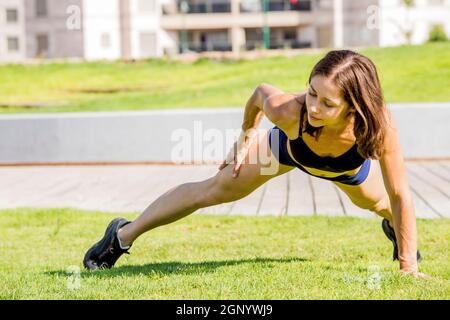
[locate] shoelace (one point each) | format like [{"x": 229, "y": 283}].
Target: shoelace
[{"x": 109, "y": 255}]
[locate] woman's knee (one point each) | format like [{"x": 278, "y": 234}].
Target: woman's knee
[{"x": 381, "y": 207}]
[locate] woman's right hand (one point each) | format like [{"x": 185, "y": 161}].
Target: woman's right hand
[
  {"x": 416, "y": 274},
  {"x": 239, "y": 150}
]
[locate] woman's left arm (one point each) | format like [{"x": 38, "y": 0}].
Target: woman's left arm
[{"x": 404, "y": 220}]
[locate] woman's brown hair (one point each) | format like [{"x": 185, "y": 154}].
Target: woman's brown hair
[{"x": 357, "y": 78}]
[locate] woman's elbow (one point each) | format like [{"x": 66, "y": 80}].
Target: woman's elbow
[{"x": 271, "y": 110}]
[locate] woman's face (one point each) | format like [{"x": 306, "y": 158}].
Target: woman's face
[{"x": 325, "y": 105}]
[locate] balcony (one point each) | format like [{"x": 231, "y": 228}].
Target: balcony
[
  {"x": 278, "y": 5},
  {"x": 189, "y": 7},
  {"x": 204, "y": 47},
  {"x": 249, "y": 45},
  {"x": 281, "y": 14},
  {"x": 245, "y": 20},
  {"x": 277, "y": 44},
  {"x": 208, "y": 8}
]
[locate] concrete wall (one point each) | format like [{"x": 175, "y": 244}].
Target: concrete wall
[{"x": 160, "y": 135}]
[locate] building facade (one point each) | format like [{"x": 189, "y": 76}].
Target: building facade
[
  {"x": 86, "y": 29},
  {"x": 239, "y": 25},
  {"x": 136, "y": 29}
]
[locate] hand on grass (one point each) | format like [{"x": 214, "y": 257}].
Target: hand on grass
[{"x": 415, "y": 274}]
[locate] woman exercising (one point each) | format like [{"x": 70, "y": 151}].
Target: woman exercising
[{"x": 332, "y": 132}]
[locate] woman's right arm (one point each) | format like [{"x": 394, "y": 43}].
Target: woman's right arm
[
  {"x": 280, "y": 108},
  {"x": 254, "y": 109}
]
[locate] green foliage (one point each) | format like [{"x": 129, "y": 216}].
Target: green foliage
[{"x": 437, "y": 34}]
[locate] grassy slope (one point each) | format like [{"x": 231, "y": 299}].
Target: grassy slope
[{"x": 408, "y": 73}]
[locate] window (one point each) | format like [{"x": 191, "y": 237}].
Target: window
[
  {"x": 290, "y": 34},
  {"x": 105, "y": 40},
  {"x": 41, "y": 8},
  {"x": 11, "y": 15},
  {"x": 13, "y": 44},
  {"x": 251, "y": 6},
  {"x": 42, "y": 44},
  {"x": 301, "y": 5}
]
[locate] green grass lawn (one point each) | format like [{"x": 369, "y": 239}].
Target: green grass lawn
[
  {"x": 217, "y": 257},
  {"x": 408, "y": 74}
]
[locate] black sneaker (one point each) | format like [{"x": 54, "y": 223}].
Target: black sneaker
[
  {"x": 104, "y": 254},
  {"x": 390, "y": 233}
]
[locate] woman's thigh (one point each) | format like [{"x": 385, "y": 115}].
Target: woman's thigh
[
  {"x": 259, "y": 166},
  {"x": 370, "y": 194}
]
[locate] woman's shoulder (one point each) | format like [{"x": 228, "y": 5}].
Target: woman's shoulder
[
  {"x": 300, "y": 98},
  {"x": 289, "y": 121}
]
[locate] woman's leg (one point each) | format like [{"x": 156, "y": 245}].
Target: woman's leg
[
  {"x": 371, "y": 194},
  {"x": 186, "y": 198}
]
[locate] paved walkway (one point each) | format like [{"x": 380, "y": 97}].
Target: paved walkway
[{"x": 133, "y": 188}]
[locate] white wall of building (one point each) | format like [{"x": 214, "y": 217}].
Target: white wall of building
[
  {"x": 13, "y": 30},
  {"x": 146, "y": 34},
  {"x": 395, "y": 17},
  {"x": 167, "y": 41},
  {"x": 144, "y": 28},
  {"x": 101, "y": 24},
  {"x": 101, "y": 29}
]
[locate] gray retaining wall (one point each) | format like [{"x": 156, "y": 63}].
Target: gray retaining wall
[{"x": 159, "y": 136}]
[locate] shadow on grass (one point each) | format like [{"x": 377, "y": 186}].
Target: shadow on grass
[{"x": 173, "y": 267}]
